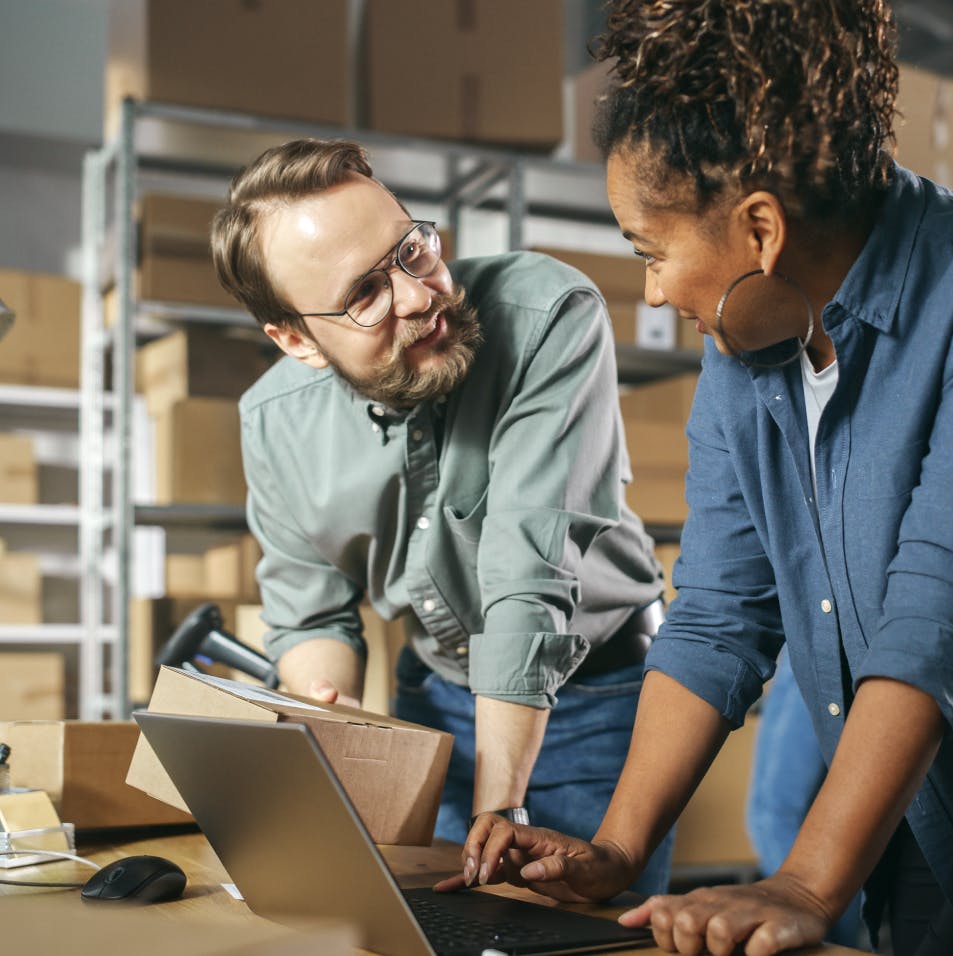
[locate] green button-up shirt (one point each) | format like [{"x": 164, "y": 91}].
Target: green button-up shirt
[{"x": 493, "y": 521}]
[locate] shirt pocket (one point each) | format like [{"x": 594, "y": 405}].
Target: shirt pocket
[
  {"x": 889, "y": 471},
  {"x": 467, "y": 525}
]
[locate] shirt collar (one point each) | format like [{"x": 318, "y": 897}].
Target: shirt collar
[{"x": 873, "y": 286}]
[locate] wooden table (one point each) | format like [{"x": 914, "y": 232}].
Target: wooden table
[{"x": 207, "y": 920}]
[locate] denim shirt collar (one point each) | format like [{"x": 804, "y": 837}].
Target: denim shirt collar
[{"x": 872, "y": 289}]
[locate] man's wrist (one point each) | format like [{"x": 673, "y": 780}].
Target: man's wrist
[{"x": 513, "y": 814}]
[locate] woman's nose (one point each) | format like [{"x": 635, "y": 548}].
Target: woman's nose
[{"x": 654, "y": 295}]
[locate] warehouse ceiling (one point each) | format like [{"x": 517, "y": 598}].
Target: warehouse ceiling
[{"x": 926, "y": 33}]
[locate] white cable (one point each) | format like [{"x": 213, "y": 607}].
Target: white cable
[{"x": 53, "y": 853}]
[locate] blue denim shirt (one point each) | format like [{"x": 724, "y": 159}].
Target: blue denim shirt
[
  {"x": 493, "y": 523},
  {"x": 860, "y": 581}
]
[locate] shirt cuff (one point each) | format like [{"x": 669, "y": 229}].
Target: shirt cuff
[{"x": 524, "y": 668}]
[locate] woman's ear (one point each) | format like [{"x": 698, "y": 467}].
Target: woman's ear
[
  {"x": 764, "y": 224},
  {"x": 293, "y": 343}
]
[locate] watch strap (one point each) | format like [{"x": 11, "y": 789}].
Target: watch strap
[{"x": 513, "y": 814}]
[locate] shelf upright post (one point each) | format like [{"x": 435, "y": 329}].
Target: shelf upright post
[
  {"x": 516, "y": 202},
  {"x": 123, "y": 387},
  {"x": 91, "y": 430}
]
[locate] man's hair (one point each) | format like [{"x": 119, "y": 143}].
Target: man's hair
[
  {"x": 793, "y": 96},
  {"x": 279, "y": 176}
]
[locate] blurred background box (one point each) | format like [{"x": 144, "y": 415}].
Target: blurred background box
[
  {"x": 666, "y": 400},
  {"x": 42, "y": 346},
  {"x": 285, "y": 58},
  {"x": 198, "y": 453},
  {"x": 620, "y": 279},
  {"x": 229, "y": 570},
  {"x": 21, "y": 588},
  {"x": 584, "y": 89},
  {"x": 82, "y": 767},
  {"x": 31, "y": 685},
  {"x": 175, "y": 261},
  {"x": 462, "y": 69},
  {"x": 711, "y": 834},
  {"x": 925, "y": 128},
  {"x": 200, "y": 362},
  {"x": 18, "y": 470},
  {"x": 666, "y": 555}
]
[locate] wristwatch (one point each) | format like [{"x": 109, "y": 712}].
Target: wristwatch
[{"x": 513, "y": 814}]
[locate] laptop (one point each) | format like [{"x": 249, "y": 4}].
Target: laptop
[{"x": 279, "y": 820}]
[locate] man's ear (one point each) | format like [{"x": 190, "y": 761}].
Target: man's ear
[
  {"x": 764, "y": 224},
  {"x": 293, "y": 343}
]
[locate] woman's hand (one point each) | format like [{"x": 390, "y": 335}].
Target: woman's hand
[
  {"x": 549, "y": 862},
  {"x": 758, "y": 919}
]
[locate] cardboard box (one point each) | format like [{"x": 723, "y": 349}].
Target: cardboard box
[
  {"x": 393, "y": 771},
  {"x": 42, "y": 345},
  {"x": 585, "y": 88},
  {"x": 492, "y": 72},
  {"x": 667, "y": 400},
  {"x": 285, "y": 58},
  {"x": 21, "y": 588},
  {"x": 198, "y": 453},
  {"x": 185, "y": 576},
  {"x": 229, "y": 570},
  {"x": 666, "y": 555},
  {"x": 620, "y": 279},
  {"x": 925, "y": 128},
  {"x": 711, "y": 830},
  {"x": 82, "y": 766},
  {"x": 18, "y": 471},
  {"x": 32, "y": 685},
  {"x": 658, "y": 454}
]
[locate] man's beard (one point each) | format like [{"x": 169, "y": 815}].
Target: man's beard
[{"x": 396, "y": 384}]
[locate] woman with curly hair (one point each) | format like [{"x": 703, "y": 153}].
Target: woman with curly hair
[{"x": 748, "y": 147}]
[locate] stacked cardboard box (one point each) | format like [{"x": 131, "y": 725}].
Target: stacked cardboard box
[
  {"x": 284, "y": 58},
  {"x": 21, "y": 588},
  {"x": 42, "y": 346},
  {"x": 18, "y": 470},
  {"x": 191, "y": 380},
  {"x": 654, "y": 416},
  {"x": 32, "y": 685},
  {"x": 925, "y": 129},
  {"x": 473, "y": 79}
]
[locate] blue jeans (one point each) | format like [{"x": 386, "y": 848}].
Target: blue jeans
[
  {"x": 584, "y": 748},
  {"x": 787, "y": 773}
]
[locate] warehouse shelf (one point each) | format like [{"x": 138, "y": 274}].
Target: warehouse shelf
[
  {"x": 458, "y": 177},
  {"x": 65, "y": 515},
  {"x": 57, "y": 634}
]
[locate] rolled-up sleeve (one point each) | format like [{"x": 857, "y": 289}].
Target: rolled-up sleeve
[{"x": 556, "y": 464}]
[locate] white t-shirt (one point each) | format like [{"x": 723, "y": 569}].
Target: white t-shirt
[{"x": 818, "y": 388}]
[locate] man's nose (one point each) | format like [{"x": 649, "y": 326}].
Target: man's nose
[
  {"x": 411, "y": 296},
  {"x": 654, "y": 295}
]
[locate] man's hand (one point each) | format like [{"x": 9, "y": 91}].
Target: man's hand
[
  {"x": 548, "y": 862},
  {"x": 758, "y": 919}
]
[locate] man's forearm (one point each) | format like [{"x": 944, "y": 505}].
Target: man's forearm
[
  {"x": 890, "y": 738},
  {"x": 322, "y": 659},
  {"x": 508, "y": 739}
]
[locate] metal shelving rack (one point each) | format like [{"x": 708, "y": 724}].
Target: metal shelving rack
[{"x": 452, "y": 175}]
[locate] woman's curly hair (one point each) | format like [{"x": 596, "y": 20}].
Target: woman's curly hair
[{"x": 794, "y": 96}]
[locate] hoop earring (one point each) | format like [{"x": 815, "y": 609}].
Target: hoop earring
[{"x": 802, "y": 343}]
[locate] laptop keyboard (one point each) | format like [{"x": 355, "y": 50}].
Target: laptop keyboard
[{"x": 454, "y": 935}]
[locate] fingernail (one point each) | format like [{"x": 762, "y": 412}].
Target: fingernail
[
  {"x": 484, "y": 874},
  {"x": 532, "y": 871},
  {"x": 469, "y": 870}
]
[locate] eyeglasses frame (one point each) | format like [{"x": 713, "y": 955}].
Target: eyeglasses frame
[{"x": 394, "y": 255}]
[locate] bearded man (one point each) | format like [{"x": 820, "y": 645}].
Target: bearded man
[{"x": 446, "y": 441}]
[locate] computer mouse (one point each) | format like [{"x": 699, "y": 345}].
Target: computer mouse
[{"x": 141, "y": 879}]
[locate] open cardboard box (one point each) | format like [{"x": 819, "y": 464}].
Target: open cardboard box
[{"x": 393, "y": 771}]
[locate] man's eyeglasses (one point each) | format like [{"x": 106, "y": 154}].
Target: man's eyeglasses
[{"x": 368, "y": 301}]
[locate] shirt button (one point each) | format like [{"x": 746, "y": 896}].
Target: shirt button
[
  {"x": 377, "y": 409},
  {"x": 375, "y": 428},
  {"x": 826, "y": 606},
  {"x": 463, "y": 650},
  {"x": 833, "y": 709},
  {"x": 429, "y": 605},
  {"x": 417, "y": 434},
  {"x": 423, "y": 522}
]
